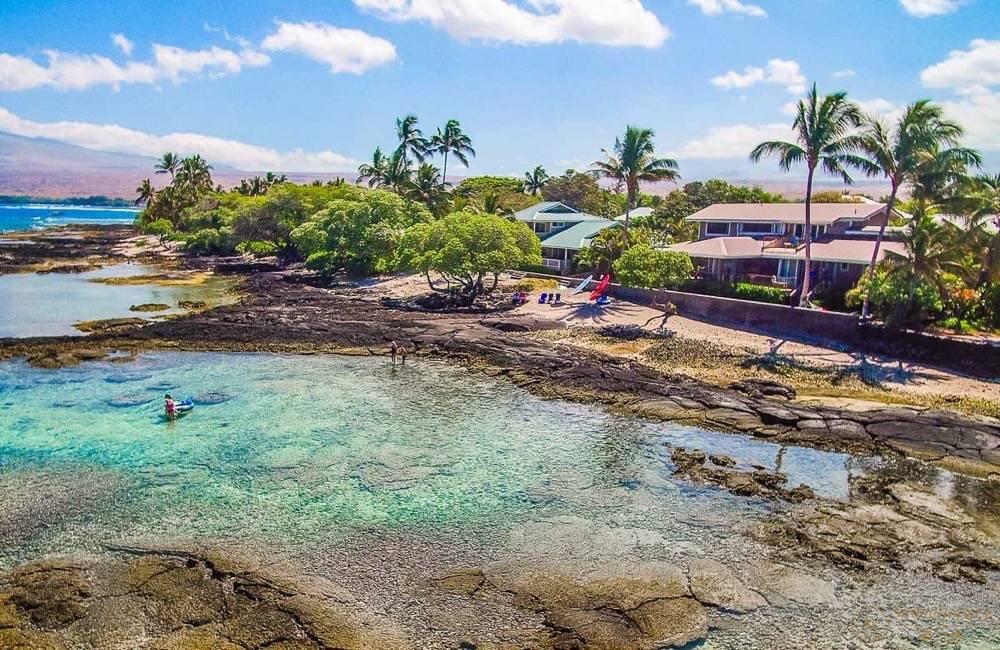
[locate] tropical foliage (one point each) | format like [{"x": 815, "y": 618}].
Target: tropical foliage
[
  {"x": 466, "y": 252},
  {"x": 644, "y": 266}
]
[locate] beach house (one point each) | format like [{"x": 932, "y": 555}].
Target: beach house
[
  {"x": 564, "y": 231},
  {"x": 764, "y": 242}
]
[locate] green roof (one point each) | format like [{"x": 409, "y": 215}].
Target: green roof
[
  {"x": 553, "y": 211},
  {"x": 578, "y": 236}
]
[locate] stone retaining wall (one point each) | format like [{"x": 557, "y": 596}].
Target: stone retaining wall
[{"x": 960, "y": 354}]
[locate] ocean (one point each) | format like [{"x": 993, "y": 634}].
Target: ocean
[{"x": 37, "y": 216}]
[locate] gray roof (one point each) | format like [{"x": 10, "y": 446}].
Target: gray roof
[
  {"x": 578, "y": 236},
  {"x": 548, "y": 211},
  {"x": 821, "y": 213},
  {"x": 635, "y": 213}
]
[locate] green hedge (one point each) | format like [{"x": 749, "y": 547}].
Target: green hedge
[{"x": 760, "y": 293}]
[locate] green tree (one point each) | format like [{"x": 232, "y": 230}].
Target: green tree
[
  {"x": 452, "y": 140},
  {"x": 161, "y": 228},
  {"x": 633, "y": 162},
  {"x": 194, "y": 175},
  {"x": 982, "y": 202},
  {"x": 534, "y": 181},
  {"x": 464, "y": 249},
  {"x": 606, "y": 247},
  {"x": 145, "y": 193},
  {"x": 575, "y": 189},
  {"x": 825, "y": 139},
  {"x": 359, "y": 236},
  {"x": 899, "y": 152},
  {"x": 168, "y": 163},
  {"x": 649, "y": 268},
  {"x": 411, "y": 140},
  {"x": 373, "y": 172},
  {"x": 427, "y": 188}
]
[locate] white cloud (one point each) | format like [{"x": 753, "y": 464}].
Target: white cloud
[
  {"x": 976, "y": 67},
  {"x": 846, "y": 73},
  {"x": 344, "y": 50},
  {"x": 219, "y": 151},
  {"x": 65, "y": 71},
  {"x": 606, "y": 22},
  {"x": 979, "y": 112},
  {"x": 781, "y": 72},
  {"x": 925, "y": 8},
  {"x": 716, "y": 7},
  {"x": 123, "y": 44},
  {"x": 733, "y": 141}
]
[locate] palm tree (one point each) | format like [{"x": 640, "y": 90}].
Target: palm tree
[
  {"x": 168, "y": 163},
  {"x": 824, "y": 129},
  {"x": 452, "y": 140},
  {"x": 194, "y": 174},
  {"x": 984, "y": 204},
  {"x": 426, "y": 187},
  {"x": 897, "y": 153},
  {"x": 535, "y": 180},
  {"x": 397, "y": 172},
  {"x": 145, "y": 193},
  {"x": 373, "y": 172},
  {"x": 634, "y": 161},
  {"x": 411, "y": 139}
]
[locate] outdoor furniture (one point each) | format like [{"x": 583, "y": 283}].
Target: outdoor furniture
[
  {"x": 558, "y": 299},
  {"x": 543, "y": 298}
]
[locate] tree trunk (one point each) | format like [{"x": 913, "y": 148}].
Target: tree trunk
[
  {"x": 803, "y": 297},
  {"x": 444, "y": 172},
  {"x": 865, "y": 307}
]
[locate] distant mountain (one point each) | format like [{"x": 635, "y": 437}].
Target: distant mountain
[{"x": 49, "y": 168}]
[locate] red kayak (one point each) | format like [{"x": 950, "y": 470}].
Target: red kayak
[{"x": 601, "y": 288}]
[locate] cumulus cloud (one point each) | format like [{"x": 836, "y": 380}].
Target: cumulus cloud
[
  {"x": 781, "y": 72},
  {"x": 846, "y": 73},
  {"x": 733, "y": 141},
  {"x": 716, "y": 7},
  {"x": 123, "y": 44},
  {"x": 607, "y": 22},
  {"x": 976, "y": 67},
  {"x": 66, "y": 71},
  {"x": 219, "y": 151},
  {"x": 979, "y": 112},
  {"x": 344, "y": 50},
  {"x": 925, "y": 8}
]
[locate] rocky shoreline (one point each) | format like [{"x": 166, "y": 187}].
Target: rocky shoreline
[{"x": 188, "y": 598}]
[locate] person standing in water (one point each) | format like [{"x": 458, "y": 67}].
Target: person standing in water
[
  {"x": 169, "y": 406},
  {"x": 393, "y": 350}
]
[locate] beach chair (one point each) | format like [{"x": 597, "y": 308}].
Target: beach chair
[
  {"x": 543, "y": 298},
  {"x": 552, "y": 299},
  {"x": 558, "y": 299}
]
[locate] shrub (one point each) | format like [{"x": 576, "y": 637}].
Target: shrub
[
  {"x": 649, "y": 268},
  {"x": 210, "y": 241},
  {"x": 538, "y": 268},
  {"x": 760, "y": 293},
  {"x": 535, "y": 284}
]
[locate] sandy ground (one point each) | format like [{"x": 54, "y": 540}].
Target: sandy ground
[{"x": 906, "y": 379}]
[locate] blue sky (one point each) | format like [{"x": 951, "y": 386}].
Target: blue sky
[{"x": 309, "y": 85}]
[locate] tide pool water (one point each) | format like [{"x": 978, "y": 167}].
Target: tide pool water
[
  {"x": 28, "y": 217},
  {"x": 49, "y": 304},
  {"x": 294, "y": 447}
]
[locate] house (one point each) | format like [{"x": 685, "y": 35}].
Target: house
[
  {"x": 564, "y": 231},
  {"x": 764, "y": 241}
]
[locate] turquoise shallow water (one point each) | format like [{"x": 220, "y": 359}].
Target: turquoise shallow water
[
  {"x": 294, "y": 447},
  {"x": 50, "y": 304},
  {"x": 26, "y": 217}
]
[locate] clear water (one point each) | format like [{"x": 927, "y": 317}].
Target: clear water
[
  {"x": 34, "y": 217},
  {"x": 50, "y": 304},
  {"x": 371, "y": 474}
]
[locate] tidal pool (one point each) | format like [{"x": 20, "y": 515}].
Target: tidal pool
[
  {"x": 49, "y": 304},
  {"x": 350, "y": 467}
]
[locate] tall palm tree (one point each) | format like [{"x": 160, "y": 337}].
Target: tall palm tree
[
  {"x": 451, "y": 139},
  {"x": 168, "y": 163},
  {"x": 535, "y": 180},
  {"x": 634, "y": 161},
  {"x": 397, "y": 173},
  {"x": 195, "y": 174},
  {"x": 374, "y": 172},
  {"x": 145, "y": 193},
  {"x": 411, "y": 139},
  {"x": 825, "y": 138},
  {"x": 984, "y": 220},
  {"x": 426, "y": 187},
  {"x": 898, "y": 153}
]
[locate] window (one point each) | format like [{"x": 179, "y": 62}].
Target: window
[
  {"x": 716, "y": 229},
  {"x": 844, "y": 266},
  {"x": 787, "y": 268},
  {"x": 817, "y": 231},
  {"x": 757, "y": 228}
]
